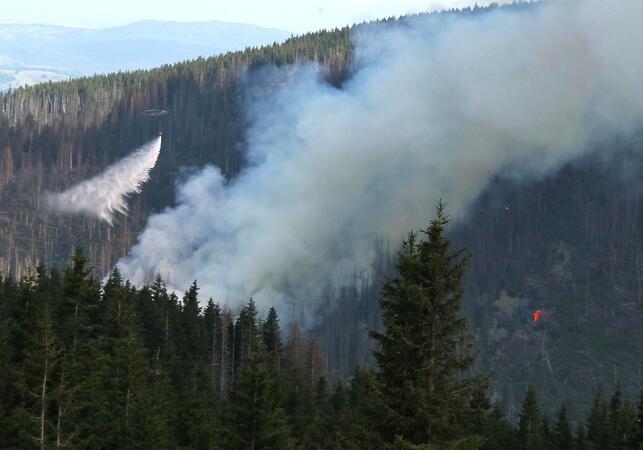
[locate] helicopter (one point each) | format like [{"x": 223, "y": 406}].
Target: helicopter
[{"x": 154, "y": 112}]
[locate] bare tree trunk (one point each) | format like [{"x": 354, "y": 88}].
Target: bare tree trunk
[
  {"x": 73, "y": 348},
  {"x": 43, "y": 393},
  {"x": 214, "y": 353},
  {"x": 60, "y": 413},
  {"x": 223, "y": 365}
]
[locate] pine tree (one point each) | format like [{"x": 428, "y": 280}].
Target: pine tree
[
  {"x": 253, "y": 416},
  {"x": 598, "y": 433},
  {"x": 530, "y": 435},
  {"x": 33, "y": 358},
  {"x": 76, "y": 320},
  {"x": 190, "y": 326},
  {"x": 79, "y": 304},
  {"x": 197, "y": 411},
  {"x": 123, "y": 413},
  {"x": 580, "y": 440},
  {"x": 425, "y": 350},
  {"x": 272, "y": 340},
  {"x": 564, "y": 439},
  {"x": 617, "y": 427},
  {"x": 639, "y": 436},
  {"x": 246, "y": 335},
  {"x": 628, "y": 428},
  {"x": 212, "y": 335}
]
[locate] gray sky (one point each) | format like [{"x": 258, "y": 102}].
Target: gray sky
[{"x": 292, "y": 15}]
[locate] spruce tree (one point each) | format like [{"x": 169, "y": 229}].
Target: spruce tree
[
  {"x": 424, "y": 353},
  {"x": 598, "y": 432},
  {"x": 580, "y": 440},
  {"x": 122, "y": 411},
  {"x": 618, "y": 421},
  {"x": 254, "y": 418},
  {"x": 246, "y": 335},
  {"x": 271, "y": 335},
  {"x": 190, "y": 326},
  {"x": 639, "y": 435},
  {"x": 564, "y": 439},
  {"x": 211, "y": 341},
  {"x": 530, "y": 433}
]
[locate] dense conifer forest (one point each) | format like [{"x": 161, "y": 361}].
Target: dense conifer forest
[{"x": 111, "y": 367}]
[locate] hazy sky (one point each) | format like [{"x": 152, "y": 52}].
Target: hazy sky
[{"x": 292, "y": 15}]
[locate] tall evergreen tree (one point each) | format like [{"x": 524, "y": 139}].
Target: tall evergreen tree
[
  {"x": 211, "y": 341},
  {"x": 122, "y": 412},
  {"x": 598, "y": 432},
  {"x": 271, "y": 334},
  {"x": 76, "y": 324},
  {"x": 254, "y": 418},
  {"x": 639, "y": 435},
  {"x": 424, "y": 353},
  {"x": 190, "y": 325},
  {"x": 580, "y": 440},
  {"x": 564, "y": 439},
  {"x": 530, "y": 433}
]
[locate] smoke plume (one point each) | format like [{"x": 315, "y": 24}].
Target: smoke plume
[
  {"x": 106, "y": 193},
  {"x": 435, "y": 108}
]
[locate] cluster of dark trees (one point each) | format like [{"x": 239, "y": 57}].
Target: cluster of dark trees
[{"x": 85, "y": 366}]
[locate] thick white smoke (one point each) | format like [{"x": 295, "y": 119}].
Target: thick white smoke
[
  {"x": 106, "y": 193},
  {"x": 436, "y": 109}
]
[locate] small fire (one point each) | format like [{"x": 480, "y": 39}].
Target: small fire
[{"x": 537, "y": 315}]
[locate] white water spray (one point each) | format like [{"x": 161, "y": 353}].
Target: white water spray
[{"x": 106, "y": 193}]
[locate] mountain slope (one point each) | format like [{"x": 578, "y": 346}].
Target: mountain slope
[{"x": 568, "y": 245}]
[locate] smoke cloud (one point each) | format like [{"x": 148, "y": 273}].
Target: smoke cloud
[
  {"x": 106, "y": 193},
  {"x": 435, "y": 108}
]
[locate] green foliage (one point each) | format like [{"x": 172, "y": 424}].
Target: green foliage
[
  {"x": 253, "y": 415},
  {"x": 563, "y": 436},
  {"x": 424, "y": 392},
  {"x": 530, "y": 431},
  {"x": 83, "y": 368}
]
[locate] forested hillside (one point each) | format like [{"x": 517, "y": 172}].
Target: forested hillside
[
  {"x": 568, "y": 246},
  {"x": 54, "y": 134},
  {"x": 128, "y": 368}
]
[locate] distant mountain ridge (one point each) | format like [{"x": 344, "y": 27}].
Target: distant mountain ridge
[{"x": 31, "y": 54}]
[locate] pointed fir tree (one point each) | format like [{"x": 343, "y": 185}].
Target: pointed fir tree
[
  {"x": 598, "y": 432},
  {"x": 638, "y": 441},
  {"x": 548, "y": 437},
  {"x": 253, "y": 416},
  {"x": 190, "y": 326},
  {"x": 271, "y": 335},
  {"x": 122, "y": 412},
  {"x": 424, "y": 353},
  {"x": 212, "y": 335},
  {"x": 246, "y": 335},
  {"x": 563, "y": 436},
  {"x": 530, "y": 433},
  {"x": 580, "y": 439}
]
